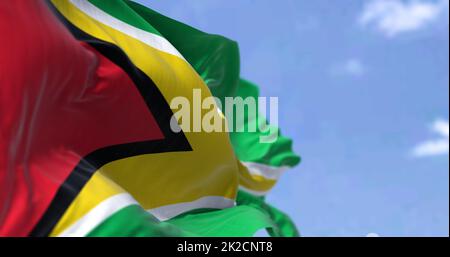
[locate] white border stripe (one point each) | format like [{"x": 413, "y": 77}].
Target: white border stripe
[
  {"x": 148, "y": 38},
  {"x": 110, "y": 206},
  {"x": 98, "y": 214},
  {"x": 266, "y": 171},
  {"x": 209, "y": 202}
]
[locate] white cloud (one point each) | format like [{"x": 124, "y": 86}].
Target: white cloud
[
  {"x": 439, "y": 146},
  {"x": 353, "y": 67},
  {"x": 393, "y": 17}
]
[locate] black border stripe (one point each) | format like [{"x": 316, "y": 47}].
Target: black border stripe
[{"x": 156, "y": 103}]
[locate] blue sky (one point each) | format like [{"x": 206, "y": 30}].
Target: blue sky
[{"x": 364, "y": 93}]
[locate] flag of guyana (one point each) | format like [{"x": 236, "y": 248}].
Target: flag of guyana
[{"x": 86, "y": 144}]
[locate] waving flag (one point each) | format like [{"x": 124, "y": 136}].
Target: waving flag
[
  {"x": 217, "y": 61},
  {"x": 86, "y": 144}
]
